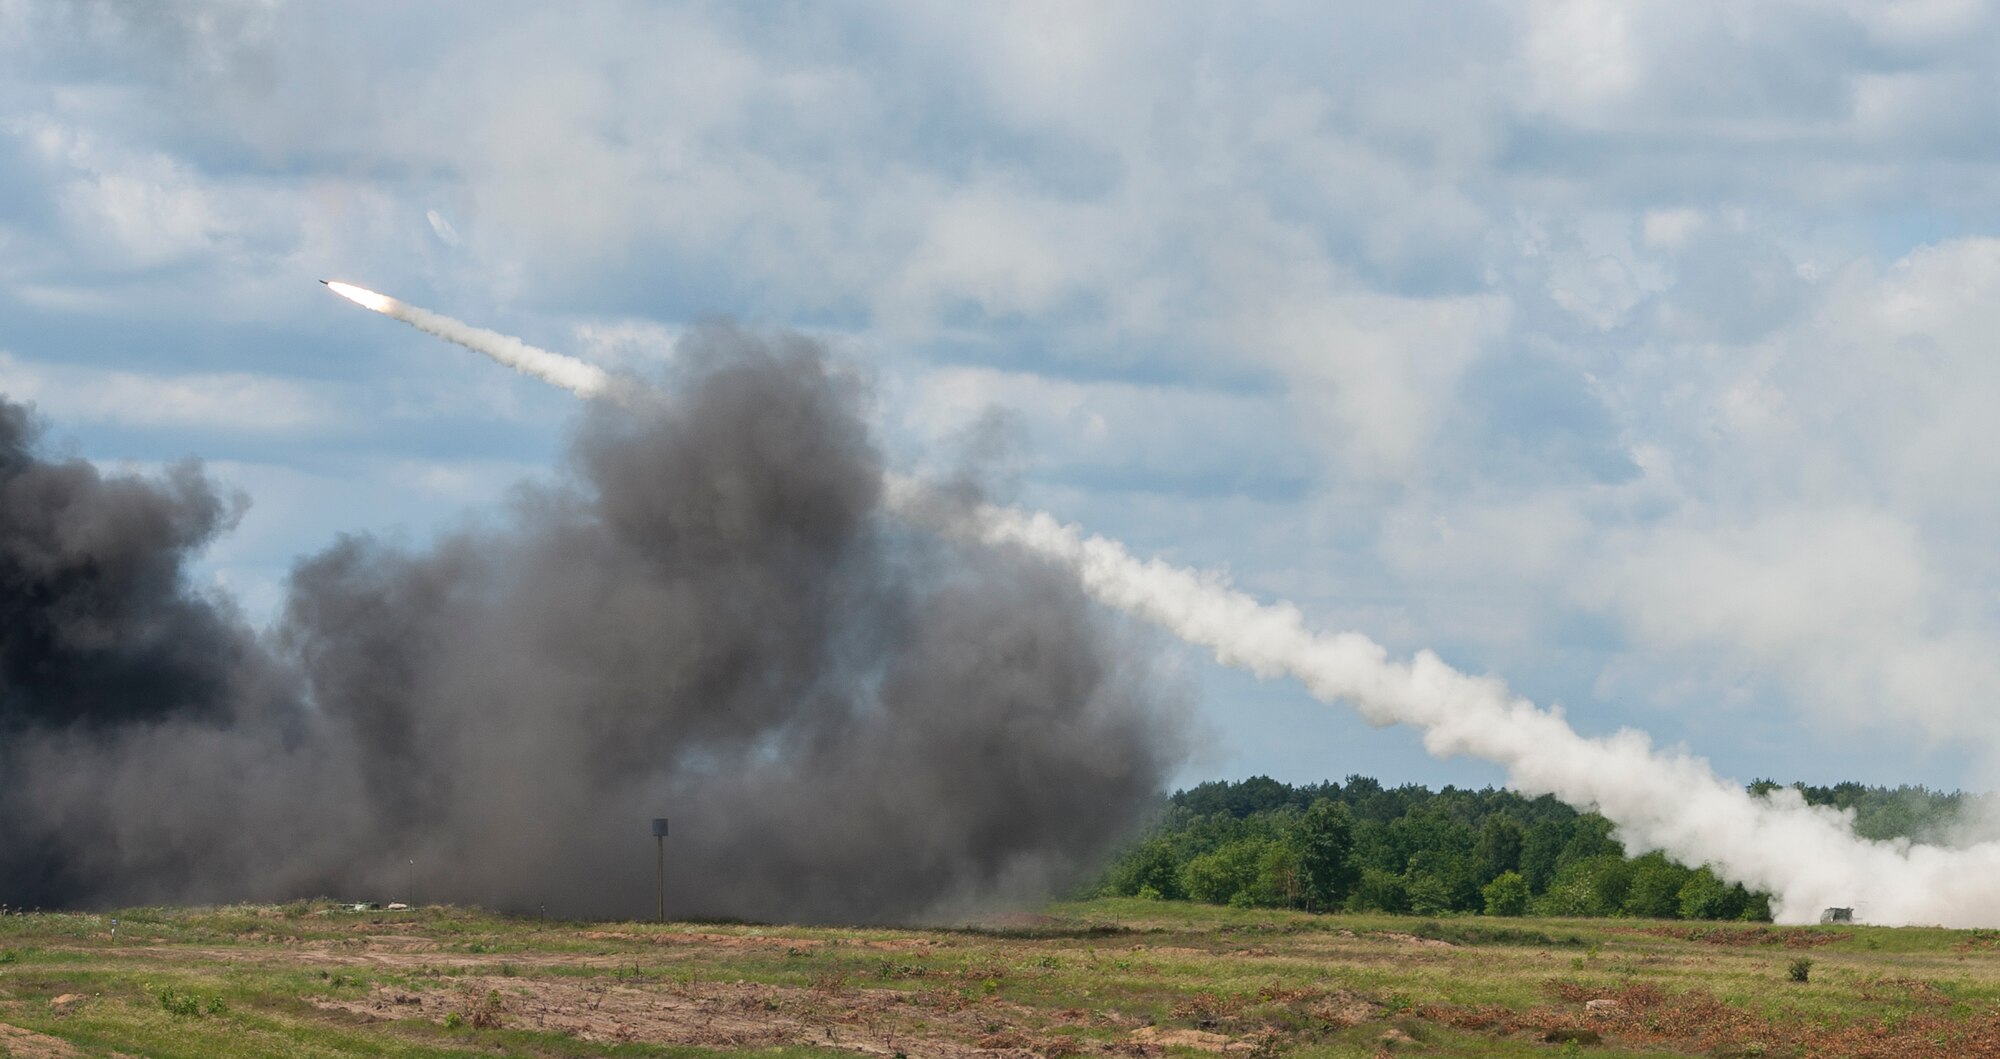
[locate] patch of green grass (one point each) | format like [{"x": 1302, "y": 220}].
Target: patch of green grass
[
  {"x": 184, "y": 1004},
  {"x": 1466, "y": 932}
]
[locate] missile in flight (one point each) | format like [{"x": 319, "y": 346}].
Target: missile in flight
[{"x": 576, "y": 376}]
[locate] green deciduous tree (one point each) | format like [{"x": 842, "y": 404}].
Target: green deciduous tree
[
  {"x": 1152, "y": 866},
  {"x": 1539, "y": 851},
  {"x": 1280, "y": 883},
  {"x": 1499, "y": 848},
  {"x": 1439, "y": 881},
  {"x": 1219, "y": 876},
  {"x": 1655, "y": 889},
  {"x": 1378, "y": 891},
  {"x": 1506, "y": 895},
  {"x": 1705, "y": 896},
  {"x": 1594, "y": 886},
  {"x": 1324, "y": 839},
  {"x": 1589, "y": 836}
]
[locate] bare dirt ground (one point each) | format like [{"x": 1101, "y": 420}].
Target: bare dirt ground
[
  {"x": 27, "y": 1044},
  {"x": 925, "y": 1025}
]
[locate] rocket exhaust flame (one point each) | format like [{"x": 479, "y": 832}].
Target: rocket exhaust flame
[
  {"x": 361, "y": 296},
  {"x": 576, "y": 376}
]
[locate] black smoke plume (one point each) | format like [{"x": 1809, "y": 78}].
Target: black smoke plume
[
  {"x": 709, "y": 617},
  {"x": 97, "y": 626}
]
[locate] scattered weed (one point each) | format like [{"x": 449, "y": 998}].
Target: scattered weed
[{"x": 189, "y": 1005}]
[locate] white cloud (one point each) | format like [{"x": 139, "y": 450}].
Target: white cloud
[
  {"x": 632, "y": 345},
  {"x": 1807, "y": 517},
  {"x": 1008, "y": 253},
  {"x": 147, "y": 208},
  {"x": 1158, "y": 436},
  {"x": 230, "y": 401},
  {"x": 1579, "y": 56},
  {"x": 446, "y": 234},
  {"x": 1380, "y": 370},
  {"x": 1669, "y": 229}
]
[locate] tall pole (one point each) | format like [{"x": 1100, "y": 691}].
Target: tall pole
[{"x": 660, "y": 838}]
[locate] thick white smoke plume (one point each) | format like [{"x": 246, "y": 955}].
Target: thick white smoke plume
[
  {"x": 1808, "y": 857},
  {"x": 576, "y": 376}
]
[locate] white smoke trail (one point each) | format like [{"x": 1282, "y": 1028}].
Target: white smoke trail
[
  {"x": 1808, "y": 857},
  {"x": 576, "y": 376}
]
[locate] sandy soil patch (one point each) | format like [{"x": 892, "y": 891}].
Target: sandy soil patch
[
  {"x": 1412, "y": 940},
  {"x": 939, "y": 1024},
  {"x": 27, "y": 1044},
  {"x": 1201, "y": 1040}
]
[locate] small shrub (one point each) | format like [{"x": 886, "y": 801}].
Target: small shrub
[
  {"x": 453, "y": 1020},
  {"x": 1204, "y": 1011},
  {"x": 830, "y": 984},
  {"x": 1801, "y": 970},
  {"x": 486, "y": 1015},
  {"x": 1506, "y": 895},
  {"x": 189, "y": 1005}
]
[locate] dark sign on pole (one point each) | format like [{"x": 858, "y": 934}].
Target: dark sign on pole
[{"x": 660, "y": 839}]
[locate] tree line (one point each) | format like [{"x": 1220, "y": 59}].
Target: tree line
[{"x": 1359, "y": 846}]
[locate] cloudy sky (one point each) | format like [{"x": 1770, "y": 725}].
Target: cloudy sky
[{"x": 1642, "y": 353}]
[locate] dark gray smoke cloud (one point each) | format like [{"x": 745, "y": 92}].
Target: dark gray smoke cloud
[
  {"x": 709, "y": 617},
  {"x": 97, "y": 625}
]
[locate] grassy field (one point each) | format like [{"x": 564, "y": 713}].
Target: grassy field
[{"x": 1127, "y": 978}]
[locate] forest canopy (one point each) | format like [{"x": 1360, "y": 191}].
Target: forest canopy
[{"x": 1359, "y": 846}]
